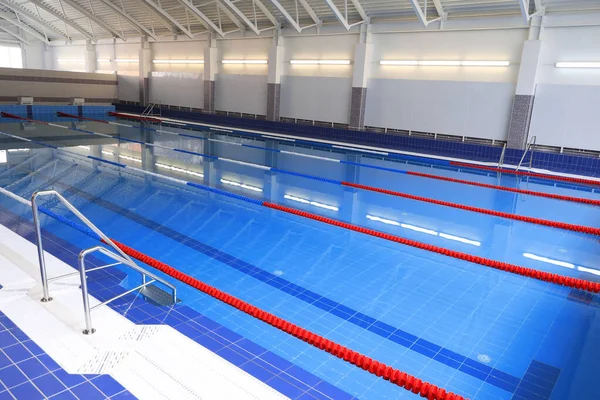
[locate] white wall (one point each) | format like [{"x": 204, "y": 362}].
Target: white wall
[
  {"x": 241, "y": 93},
  {"x": 177, "y": 89},
  {"x": 34, "y": 55},
  {"x": 477, "y": 109},
  {"x": 316, "y": 98},
  {"x": 178, "y": 50},
  {"x": 336, "y": 47},
  {"x": 128, "y": 87}
]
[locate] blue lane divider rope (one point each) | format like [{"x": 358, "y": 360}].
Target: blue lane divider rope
[
  {"x": 105, "y": 161},
  {"x": 83, "y": 229},
  {"x": 225, "y": 193}
]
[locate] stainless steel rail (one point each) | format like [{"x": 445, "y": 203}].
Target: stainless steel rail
[{"x": 529, "y": 147}]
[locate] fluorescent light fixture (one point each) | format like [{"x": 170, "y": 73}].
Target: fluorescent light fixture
[
  {"x": 244, "y": 61},
  {"x": 134, "y": 159},
  {"x": 549, "y": 260},
  {"x": 242, "y": 185},
  {"x": 419, "y": 229},
  {"x": 485, "y": 63},
  {"x": 589, "y": 270},
  {"x": 108, "y": 153},
  {"x": 586, "y": 64},
  {"x": 70, "y": 60},
  {"x": 385, "y": 221},
  {"x": 103, "y": 60},
  {"x": 439, "y": 63},
  {"x": 84, "y": 147},
  {"x": 178, "y": 61},
  {"x": 127, "y": 60},
  {"x": 460, "y": 239},
  {"x": 446, "y": 63},
  {"x": 320, "y": 62},
  {"x": 180, "y": 170},
  {"x": 395, "y": 62},
  {"x": 16, "y": 150},
  {"x": 312, "y": 203},
  {"x": 105, "y": 71}
]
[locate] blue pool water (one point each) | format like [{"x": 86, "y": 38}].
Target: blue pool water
[{"x": 482, "y": 333}]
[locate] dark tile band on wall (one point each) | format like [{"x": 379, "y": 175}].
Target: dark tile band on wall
[
  {"x": 273, "y": 101},
  {"x": 57, "y": 80},
  {"x": 209, "y": 97},
  {"x": 15, "y": 99},
  {"x": 357, "y": 107},
  {"x": 520, "y": 118},
  {"x": 578, "y": 164}
]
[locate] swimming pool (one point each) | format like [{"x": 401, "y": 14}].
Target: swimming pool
[{"x": 476, "y": 331}]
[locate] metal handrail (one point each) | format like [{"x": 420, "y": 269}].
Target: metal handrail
[
  {"x": 122, "y": 257},
  {"x": 501, "y": 161},
  {"x": 120, "y": 260},
  {"x": 527, "y": 148}
]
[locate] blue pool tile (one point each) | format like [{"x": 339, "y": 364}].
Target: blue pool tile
[
  {"x": 4, "y": 361},
  {"x": 87, "y": 391},
  {"x": 26, "y": 391},
  {"x": 66, "y": 395},
  {"x": 32, "y": 368},
  {"x": 107, "y": 385},
  {"x": 11, "y": 376},
  {"x": 68, "y": 379},
  {"x": 283, "y": 386},
  {"x": 49, "y": 385},
  {"x": 7, "y": 339}
]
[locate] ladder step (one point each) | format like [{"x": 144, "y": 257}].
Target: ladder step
[{"x": 157, "y": 296}]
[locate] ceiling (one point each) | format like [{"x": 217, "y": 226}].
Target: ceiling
[{"x": 48, "y": 20}]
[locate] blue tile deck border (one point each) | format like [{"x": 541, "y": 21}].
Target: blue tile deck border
[
  {"x": 578, "y": 164},
  {"x": 424, "y": 347},
  {"x": 275, "y": 371}
]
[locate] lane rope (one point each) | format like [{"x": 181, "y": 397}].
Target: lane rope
[
  {"x": 395, "y": 170},
  {"x": 576, "y": 283},
  {"x": 527, "y": 173},
  {"x": 532, "y": 220},
  {"x": 379, "y": 369}
]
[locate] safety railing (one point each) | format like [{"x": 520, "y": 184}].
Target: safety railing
[
  {"x": 120, "y": 257},
  {"x": 529, "y": 147},
  {"x": 501, "y": 161}
]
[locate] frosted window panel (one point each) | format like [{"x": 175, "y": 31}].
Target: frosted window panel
[
  {"x": 2, "y": 156},
  {"x": 4, "y": 57},
  {"x": 16, "y": 60}
]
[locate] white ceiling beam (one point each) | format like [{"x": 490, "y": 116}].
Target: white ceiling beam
[
  {"x": 310, "y": 12},
  {"x": 64, "y": 19},
  {"x": 26, "y": 28},
  {"x": 138, "y": 25},
  {"x": 17, "y": 8},
  {"x": 205, "y": 20},
  {"x": 287, "y": 15},
  {"x": 261, "y": 6},
  {"x": 524, "y": 6},
  {"x": 94, "y": 19},
  {"x": 361, "y": 10},
  {"x": 230, "y": 15},
  {"x": 155, "y": 7},
  {"x": 420, "y": 14},
  {"x": 440, "y": 9},
  {"x": 243, "y": 17},
  {"x": 168, "y": 24},
  {"x": 539, "y": 7},
  {"x": 338, "y": 14},
  {"x": 15, "y": 35}
]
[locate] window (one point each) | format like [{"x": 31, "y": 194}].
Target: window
[
  {"x": 2, "y": 156},
  {"x": 10, "y": 57}
]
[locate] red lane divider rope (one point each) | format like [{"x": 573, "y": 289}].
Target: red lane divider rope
[
  {"x": 539, "y": 221},
  {"x": 63, "y": 114},
  {"x": 576, "y": 283},
  {"x": 8, "y": 115},
  {"x": 397, "y": 377},
  {"x": 115, "y": 114},
  {"x": 526, "y": 173},
  {"x": 507, "y": 189}
]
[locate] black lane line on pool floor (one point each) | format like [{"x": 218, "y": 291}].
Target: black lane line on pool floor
[{"x": 424, "y": 347}]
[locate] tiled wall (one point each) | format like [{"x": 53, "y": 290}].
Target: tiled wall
[
  {"x": 46, "y": 112},
  {"x": 583, "y": 165}
]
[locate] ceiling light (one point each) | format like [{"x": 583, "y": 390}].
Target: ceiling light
[
  {"x": 134, "y": 159},
  {"x": 439, "y": 63},
  {"x": 242, "y": 185},
  {"x": 419, "y": 229},
  {"x": 105, "y": 71},
  {"x": 180, "y": 170},
  {"x": 244, "y": 61},
  {"x": 178, "y": 61},
  {"x": 103, "y": 60},
  {"x": 460, "y": 239},
  {"x": 485, "y": 63},
  {"x": 16, "y": 150},
  {"x": 70, "y": 60},
  {"x": 589, "y": 270},
  {"x": 127, "y": 60},
  {"x": 587, "y": 64},
  {"x": 108, "y": 153},
  {"x": 84, "y": 147},
  {"x": 394, "y": 62},
  {"x": 385, "y": 221},
  {"x": 320, "y": 62},
  {"x": 312, "y": 203},
  {"x": 549, "y": 260}
]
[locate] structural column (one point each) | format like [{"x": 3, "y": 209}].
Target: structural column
[
  {"x": 210, "y": 71},
  {"x": 145, "y": 65},
  {"x": 362, "y": 60},
  {"x": 274, "y": 78},
  {"x": 90, "y": 56},
  {"x": 523, "y": 102}
]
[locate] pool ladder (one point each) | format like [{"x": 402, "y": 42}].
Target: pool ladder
[
  {"x": 530, "y": 146},
  {"x": 119, "y": 257}
]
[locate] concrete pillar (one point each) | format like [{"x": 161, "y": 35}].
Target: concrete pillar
[
  {"x": 90, "y": 56},
  {"x": 210, "y": 71},
  {"x": 362, "y": 60},
  {"x": 276, "y": 54},
  {"x": 523, "y": 102},
  {"x": 145, "y": 65}
]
